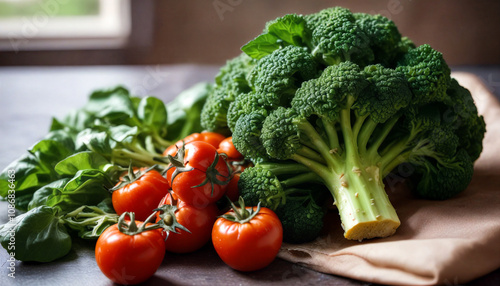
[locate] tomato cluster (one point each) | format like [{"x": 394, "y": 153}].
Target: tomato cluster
[{"x": 182, "y": 200}]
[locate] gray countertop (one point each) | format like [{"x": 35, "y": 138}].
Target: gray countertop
[{"x": 31, "y": 96}]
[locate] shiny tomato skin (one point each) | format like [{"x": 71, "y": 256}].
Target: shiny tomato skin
[
  {"x": 211, "y": 138},
  {"x": 199, "y": 156},
  {"x": 199, "y": 221},
  {"x": 141, "y": 196},
  {"x": 249, "y": 246},
  {"x": 129, "y": 259},
  {"x": 226, "y": 146},
  {"x": 232, "y": 191},
  {"x": 201, "y": 196}
]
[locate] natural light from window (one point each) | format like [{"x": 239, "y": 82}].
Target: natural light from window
[{"x": 63, "y": 24}]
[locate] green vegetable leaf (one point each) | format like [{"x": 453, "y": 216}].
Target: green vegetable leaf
[
  {"x": 184, "y": 111},
  {"x": 291, "y": 29},
  {"x": 34, "y": 170},
  {"x": 262, "y": 46},
  {"x": 39, "y": 234},
  {"x": 94, "y": 140},
  {"x": 85, "y": 160},
  {"x": 112, "y": 105},
  {"x": 153, "y": 114},
  {"x": 288, "y": 30},
  {"x": 87, "y": 187}
]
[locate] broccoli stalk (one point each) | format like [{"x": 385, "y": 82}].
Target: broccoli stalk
[{"x": 355, "y": 183}]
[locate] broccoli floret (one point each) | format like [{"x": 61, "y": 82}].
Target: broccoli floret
[
  {"x": 283, "y": 187},
  {"x": 336, "y": 37},
  {"x": 348, "y": 98},
  {"x": 383, "y": 35},
  {"x": 247, "y": 103},
  {"x": 301, "y": 217},
  {"x": 279, "y": 74},
  {"x": 246, "y": 136},
  {"x": 470, "y": 127},
  {"x": 268, "y": 182},
  {"x": 427, "y": 73},
  {"x": 229, "y": 84},
  {"x": 443, "y": 180}
]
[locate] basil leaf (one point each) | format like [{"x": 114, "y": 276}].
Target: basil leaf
[
  {"x": 262, "y": 46},
  {"x": 123, "y": 133},
  {"x": 288, "y": 30},
  {"x": 41, "y": 195},
  {"x": 85, "y": 160},
  {"x": 184, "y": 111},
  {"x": 94, "y": 140},
  {"x": 87, "y": 187},
  {"x": 112, "y": 105},
  {"x": 75, "y": 120},
  {"x": 153, "y": 114},
  {"x": 34, "y": 169},
  {"x": 291, "y": 28},
  {"x": 39, "y": 236}
]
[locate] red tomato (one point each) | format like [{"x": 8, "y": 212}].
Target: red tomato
[
  {"x": 129, "y": 259},
  {"x": 232, "y": 191},
  {"x": 211, "y": 138},
  {"x": 199, "y": 221},
  {"x": 250, "y": 245},
  {"x": 227, "y": 147},
  {"x": 141, "y": 195},
  {"x": 206, "y": 182}
]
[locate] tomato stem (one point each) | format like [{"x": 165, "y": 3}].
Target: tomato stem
[
  {"x": 241, "y": 214},
  {"x": 131, "y": 177}
]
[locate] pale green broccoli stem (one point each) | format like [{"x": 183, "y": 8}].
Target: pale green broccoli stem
[
  {"x": 324, "y": 150},
  {"x": 357, "y": 188},
  {"x": 284, "y": 168},
  {"x": 300, "y": 179},
  {"x": 394, "y": 150},
  {"x": 358, "y": 125},
  {"x": 311, "y": 154},
  {"x": 364, "y": 135},
  {"x": 350, "y": 141},
  {"x": 373, "y": 151},
  {"x": 331, "y": 133},
  {"x": 364, "y": 207}
]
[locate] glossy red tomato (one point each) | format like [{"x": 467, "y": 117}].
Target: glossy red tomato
[
  {"x": 203, "y": 180},
  {"x": 199, "y": 222},
  {"x": 211, "y": 138},
  {"x": 141, "y": 195},
  {"x": 129, "y": 259},
  {"x": 232, "y": 191},
  {"x": 226, "y": 146},
  {"x": 251, "y": 245}
]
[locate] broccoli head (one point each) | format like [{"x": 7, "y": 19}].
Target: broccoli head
[{"x": 349, "y": 99}]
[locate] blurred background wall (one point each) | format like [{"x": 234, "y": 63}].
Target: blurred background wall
[{"x": 211, "y": 31}]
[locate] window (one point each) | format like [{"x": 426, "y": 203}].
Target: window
[{"x": 63, "y": 24}]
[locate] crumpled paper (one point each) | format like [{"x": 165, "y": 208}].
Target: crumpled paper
[{"x": 439, "y": 242}]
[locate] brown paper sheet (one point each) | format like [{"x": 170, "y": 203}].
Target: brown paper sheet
[{"x": 439, "y": 242}]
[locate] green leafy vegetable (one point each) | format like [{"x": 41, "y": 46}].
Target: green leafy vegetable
[
  {"x": 64, "y": 179},
  {"x": 39, "y": 235}
]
